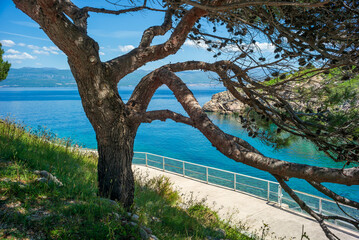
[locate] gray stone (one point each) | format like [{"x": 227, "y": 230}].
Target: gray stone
[
  {"x": 148, "y": 230},
  {"x": 134, "y": 217},
  {"x": 221, "y": 232},
  {"x": 48, "y": 177},
  {"x": 152, "y": 237},
  {"x": 143, "y": 233},
  {"x": 41, "y": 180},
  {"x": 224, "y": 102},
  {"x": 133, "y": 224},
  {"x": 112, "y": 202}
]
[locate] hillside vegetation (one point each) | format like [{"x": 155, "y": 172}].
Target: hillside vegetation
[
  {"x": 65, "y": 205},
  {"x": 327, "y": 101}
]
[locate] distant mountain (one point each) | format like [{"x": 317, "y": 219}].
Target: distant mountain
[
  {"x": 39, "y": 77},
  {"x": 52, "y": 77}
]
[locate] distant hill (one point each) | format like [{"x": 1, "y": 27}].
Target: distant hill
[{"x": 52, "y": 77}]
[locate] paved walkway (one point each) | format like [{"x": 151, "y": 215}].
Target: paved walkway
[{"x": 250, "y": 210}]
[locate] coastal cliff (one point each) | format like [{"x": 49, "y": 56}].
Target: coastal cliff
[{"x": 225, "y": 103}]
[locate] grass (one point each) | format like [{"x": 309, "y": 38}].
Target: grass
[{"x": 37, "y": 210}]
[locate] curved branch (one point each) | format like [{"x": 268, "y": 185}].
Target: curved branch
[
  {"x": 234, "y": 148},
  {"x": 333, "y": 195},
  {"x": 240, "y": 151},
  {"x": 163, "y": 115},
  {"x": 118, "y": 12},
  {"x": 131, "y": 61},
  {"x": 232, "y": 5},
  {"x": 151, "y": 32},
  {"x": 306, "y": 208},
  {"x": 344, "y": 219},
  {"x": 70, "y": 37},
  {"x": 260, "y": 103}
]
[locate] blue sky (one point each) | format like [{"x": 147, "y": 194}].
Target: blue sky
[{"x": 26, "y": 45}]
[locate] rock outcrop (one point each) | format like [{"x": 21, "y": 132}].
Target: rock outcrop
[
  {"x": 225, "y": 103},
  {"x": 47, "y": 177}
]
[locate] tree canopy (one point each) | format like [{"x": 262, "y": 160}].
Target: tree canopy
[
  {"x": 4, "y": 65},
  {"x": 314, "y": 55}
]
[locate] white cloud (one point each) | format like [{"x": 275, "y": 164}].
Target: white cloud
[
  {"x": 258, "y": 46},
  {"x": 102, "y": 54},
  {"x": 12, "y": 51},
  {"x": 44, "y": 50},
  {"x": 199, "y": 43},
  {"x": 262, "y": 47},
  {"x": 23, "y": 55},
  {"x": 266, "y": 46},
  {"x": 7, "y": 43},
  {"x": 21, "y": 44},
  {"x": 41, "y": 52},
  {"x": 126, "y": 48},
  {"x": 52, "y": 48},
  {"x": 33, "y": 47}
]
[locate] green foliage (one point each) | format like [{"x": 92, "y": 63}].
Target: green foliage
[
  {"x": 189, "y": 219},
  {"x": 4, "y": 66},
  {"x": 325, "y": 101},
  {"x": 32, "y": 209}
]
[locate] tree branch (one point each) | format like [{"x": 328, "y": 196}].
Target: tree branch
[
  {"x": 131, "y": 61},
  {"x": 241, "y": 151},
  {"x": 232, "y": 5},
  {"x": 151, "y": 32},
  {"x": 118, "y": 12},
  {"x": 306, "y": 208},
  {"x": 163, "y": 115},
  {"x": 70, "y": 37},
  {"x": 333, "y": 195},
  {"x": 355, "y": 223}
]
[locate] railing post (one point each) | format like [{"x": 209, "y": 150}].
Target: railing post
[
  {"x": 320, "y": 206},
  {"x": 207, "y": 174},
  {"x": 146, "y": 160},
  {"x": 280, "y": 196},
  {"x": 235, "y": 182},
  {"x": 268, "y": 191},
  {"x": 184, "y": 173},
  {"x": 163, "y": 163}
]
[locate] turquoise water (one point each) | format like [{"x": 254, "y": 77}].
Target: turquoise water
[{"x": 60, "y": 110}]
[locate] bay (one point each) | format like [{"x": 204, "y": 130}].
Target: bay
[{"x": 60, "y": 110}]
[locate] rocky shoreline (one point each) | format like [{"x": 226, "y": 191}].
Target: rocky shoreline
[{"x": 224, "y": 103}]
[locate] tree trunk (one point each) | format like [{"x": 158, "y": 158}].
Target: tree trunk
[
  {"x": 115, "y": 131},
  {"x": 115, "y": 175}
]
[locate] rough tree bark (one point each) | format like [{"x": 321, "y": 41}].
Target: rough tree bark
[{"x": 115, "y": 134}]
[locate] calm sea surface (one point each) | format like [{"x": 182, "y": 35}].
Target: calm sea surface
[{"x": 60, "y": 110}]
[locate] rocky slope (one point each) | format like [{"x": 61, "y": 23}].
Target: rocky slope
[{"x": 224, "y": 103}]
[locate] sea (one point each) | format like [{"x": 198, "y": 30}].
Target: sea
[{"x": 60, "y": 110}]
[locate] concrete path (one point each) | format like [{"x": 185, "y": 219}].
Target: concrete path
[{"x": 250, "y": 210}]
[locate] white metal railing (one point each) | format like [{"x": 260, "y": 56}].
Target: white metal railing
[{"x": 261, "y": 188}]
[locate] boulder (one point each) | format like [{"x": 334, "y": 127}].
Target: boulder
[
  {"x": 47, "y": 177},
  {"x": 225, "y": 103}
]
